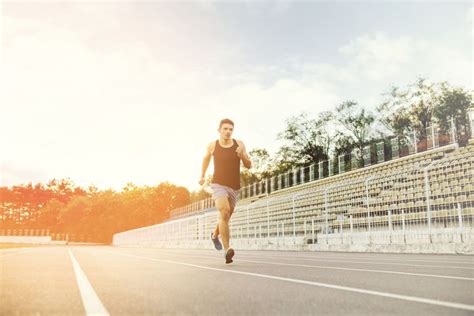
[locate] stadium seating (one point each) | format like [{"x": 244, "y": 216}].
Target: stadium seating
[{"x": 430, "y": 191}]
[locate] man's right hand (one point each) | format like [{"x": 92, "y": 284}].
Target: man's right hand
[{"x": 201, "y": 181}]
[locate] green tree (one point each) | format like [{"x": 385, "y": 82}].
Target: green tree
[
  {"x": 199, "y": 195},
  {"x": 261, "y": 167},
  {"x": 409, "y": 110},
  {"x": 454, "y": 103},
  {"x": 72, "y": 214},
  {"x": 357, "y": 125},
  {"x": 307, "y": 141},
  {"x": 49, "y": 215}
]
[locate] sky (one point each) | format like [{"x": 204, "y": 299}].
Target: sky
[{"x": 106, "y": 93}]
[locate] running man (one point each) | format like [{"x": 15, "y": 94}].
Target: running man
[{"x": 225, "y": 185}]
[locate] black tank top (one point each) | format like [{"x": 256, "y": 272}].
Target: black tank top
[{"x": 226, "y": 166}]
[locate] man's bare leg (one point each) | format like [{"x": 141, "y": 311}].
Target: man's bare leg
[
  {"x": 223, "y": 227},
  {"x": 215, "y": 233},
  {"x": 216, "y": 230}
]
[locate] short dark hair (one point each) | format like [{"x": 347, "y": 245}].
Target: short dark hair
[{"x": 226, "y": 121}]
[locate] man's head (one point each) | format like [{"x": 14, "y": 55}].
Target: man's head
[{"x": 226, "y": 127}]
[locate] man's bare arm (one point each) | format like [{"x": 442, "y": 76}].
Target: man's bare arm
[
  {"x": 242, "y": 152},
  {"x": 205, "y": 164}
]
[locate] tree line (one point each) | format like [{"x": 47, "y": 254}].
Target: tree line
[{"x": 64, "y": 208}]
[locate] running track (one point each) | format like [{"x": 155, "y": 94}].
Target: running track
[{"x": 78, "y": 280}]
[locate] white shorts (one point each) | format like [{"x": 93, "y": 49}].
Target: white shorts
[{"x": 219, "y": 191}]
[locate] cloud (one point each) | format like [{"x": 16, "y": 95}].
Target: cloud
[
  {"x": 108, "y": 107},
  {"x": 373, "y": 61},
  {"x": 377, "y": 56}
]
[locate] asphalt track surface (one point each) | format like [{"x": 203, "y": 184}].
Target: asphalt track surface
[{"x": 78, "y": 280}]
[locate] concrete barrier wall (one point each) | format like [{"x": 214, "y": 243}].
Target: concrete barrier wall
[
  {"x": 441, "y": 241},
  {"x": 29, "y": 240}
]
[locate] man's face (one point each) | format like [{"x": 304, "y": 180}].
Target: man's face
[{"x": 226, "y": 130}]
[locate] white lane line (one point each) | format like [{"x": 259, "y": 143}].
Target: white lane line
[
  {"x": 325, "y": 259},
  {"x": 422, "y": 259},
  {"x": 366, "y": 270},
  {"x": 15, "y": 253},
  {"x": 441, "y": 276},
  {"x": 358, "y": 257},
  {"x": 90, "y": 300},
  {"x": 368, "y": 262},
  {"x": 318, "y": 284},
  {"x": 315, "y": 258},
  {"x": 382, "y": 259}
]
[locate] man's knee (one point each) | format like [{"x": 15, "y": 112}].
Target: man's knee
[
  {"x": 225, "y": 213},
  {"x": 224, "y": 208}
]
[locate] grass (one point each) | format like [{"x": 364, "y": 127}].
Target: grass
[{"x": 7, "y": 245}]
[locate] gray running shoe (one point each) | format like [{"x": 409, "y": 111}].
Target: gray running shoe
[{"x": 216, "y": 242}]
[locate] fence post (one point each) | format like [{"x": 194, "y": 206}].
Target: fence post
[
  {"x": 460, "y": 221},
  {"x": 204, "y": 227},
  {"x": 268, "y": 221},
  {"x": 278, "y": 233},
  {"x": 403, "y": 227},
  {"x": 367, "y": 201},
  {"x": 326, "y": 215},
  {"x": 283, "y": 231},
  {"x": 390, "y": 220},
  {"x": 294, "y": 218},
  {"x": 341, "y": 220},
  {"x": 198, "y": 229},
  {"x": 390, "y": 225},
  {"x": 248, "y": 222},
  {"x": 428, "y": 202},
  {"x": 304, "y": 236},
  {"x": 453, "y": 131},
  {"x": 255, "y": 234},
  {"x": 414, "y": 142},
  {"x": 351, "y": 227}
]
